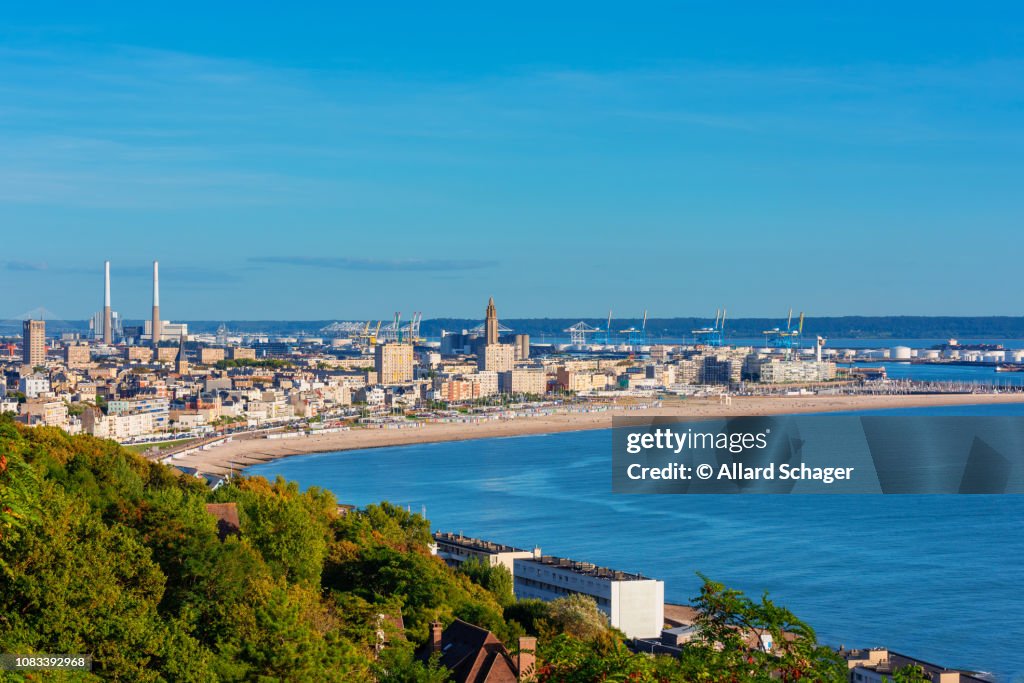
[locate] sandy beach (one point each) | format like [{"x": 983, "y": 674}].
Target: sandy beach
[{"x": 244, "y": 451}]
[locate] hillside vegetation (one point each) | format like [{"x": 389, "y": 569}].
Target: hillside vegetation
[{"x": 105, "y": 553}]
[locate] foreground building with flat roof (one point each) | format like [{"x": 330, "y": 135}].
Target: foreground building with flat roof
[
  {"x": 635, "y": 604},
  {"x": 455, "y": 549},
  {"x": 876, "y": 665}
]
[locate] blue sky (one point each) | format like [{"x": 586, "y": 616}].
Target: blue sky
[{"x": 327, "y": 162}]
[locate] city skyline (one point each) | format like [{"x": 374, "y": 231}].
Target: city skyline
[{"x": 843, "y": 162}]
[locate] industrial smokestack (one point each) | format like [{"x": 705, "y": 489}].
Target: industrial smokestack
[
  {"x": 108, "y": 331},
  {"x": 156, "y": 304}
]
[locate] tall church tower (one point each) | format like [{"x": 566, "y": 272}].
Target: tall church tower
[
  {"x": 491, "y": 323},
  {"x": 181, "y": 361}
]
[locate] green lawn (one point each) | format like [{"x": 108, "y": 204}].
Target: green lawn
[{"x": 163, "y": 445}]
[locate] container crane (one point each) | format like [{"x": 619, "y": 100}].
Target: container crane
[
  {"x": 637, "y": 337},
  {"x": 715, "y": 335}
]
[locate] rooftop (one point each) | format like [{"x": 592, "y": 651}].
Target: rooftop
[
  {"x": 589, "y": 569},
  {"x": 475, "y": 543}
]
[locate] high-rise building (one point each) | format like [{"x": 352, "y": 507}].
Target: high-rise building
[
  {"x": 491, "y": 323},
  {"x": 393, "y": 363},
  {"x": 496, "y": 358},
  {"x": 33, "y": 344}
]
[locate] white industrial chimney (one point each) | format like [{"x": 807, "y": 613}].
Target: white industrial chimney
[
  {"x": 108, "y": 331},
  {"x": 157, "y": 327}
]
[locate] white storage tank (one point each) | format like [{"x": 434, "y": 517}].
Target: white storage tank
[{"x": 900, "y": 353}]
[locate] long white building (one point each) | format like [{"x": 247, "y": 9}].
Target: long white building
[
  {"x": 634, "y": 603},
  {"x": 455, "y": 549}
]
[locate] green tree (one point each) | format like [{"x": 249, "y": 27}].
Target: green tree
[
  {"x": 495, "y": 578},
  {"x": 909, "y": 674},
  {"x": 290, "y": 529},
  {"x": 578, "y": 616},
  {"x": 732, "y": 630}
]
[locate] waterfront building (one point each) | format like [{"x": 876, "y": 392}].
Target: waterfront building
[
  {"x": 877, "y": 665},
  {"x": 780, "y": 371},
  {"x": 455, "y": 549},
  {"x": 719, "y": 369},
  {"x": 525, "y": 381},
  {"x": 634, "y": 603},
  {"x": 487, "y": 382},
  {"x": 455, "y": 390}
]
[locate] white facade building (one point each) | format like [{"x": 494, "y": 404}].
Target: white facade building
[
  {"x": 455, "y": 549},
  {"x": 34, "y": 385},
  {"x": 634, "y": 603}
]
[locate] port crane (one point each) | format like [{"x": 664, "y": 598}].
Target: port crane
[
  {"x": 788, "y": 338},
  {"x": 396, "y": 332},
  {"x": 578, "y": 333},
  {"x": 715, "y": 335},
  {"x": 634, "y": 336}
]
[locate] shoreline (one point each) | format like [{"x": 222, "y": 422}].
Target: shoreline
[{"x": 241, "y": 453}]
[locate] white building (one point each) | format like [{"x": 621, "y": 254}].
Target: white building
[
  {"x": 634, "y": 603},
  {"x": 533, "y": 382},
  {"x": 169, "y": 331},
  {"x": 119, "y": 427},
  {"x": 487, "y": 380},
  {"x": 44, "y": 412},
  {"x": 877, "y": 665},
  {"x": 34, "y": 385},
  {"x": 157, "y": 407},
  {"x": 455, "y": 549}
]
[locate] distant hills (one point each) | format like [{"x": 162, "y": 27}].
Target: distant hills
[{"x": 835, "y": 327}]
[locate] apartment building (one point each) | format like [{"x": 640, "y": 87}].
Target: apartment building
[
  {"x": 634, "y": 603},
  {"x": 455, "y": 549},
  {"x": 525, "y": 381}
]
